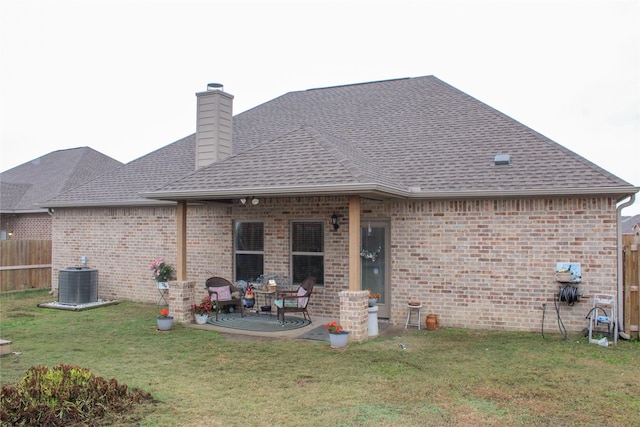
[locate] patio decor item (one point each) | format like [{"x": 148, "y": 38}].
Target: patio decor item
[
  {"x": 201, "y": 311},
  {"x": 162, "y": 272},
  {"x": 224, "y": 294},
  {"x": 257, "y": 323},
  {"x": 295, "y": 301},
  {"x": 373, "y": 298},
  {"x": 338, "y": 337},
  {"x": 165, "y": 322}
]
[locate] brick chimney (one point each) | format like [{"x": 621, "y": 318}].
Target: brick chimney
[{"x": 214, "y": 125}]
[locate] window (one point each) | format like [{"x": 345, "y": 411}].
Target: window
[
  {"x": 307, "y": 251},
  {"x": 248, "y": 245}
]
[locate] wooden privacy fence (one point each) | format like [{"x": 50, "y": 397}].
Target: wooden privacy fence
[
  {"x": 25, "y": 264},
  {"x": 631, "y": 280}
]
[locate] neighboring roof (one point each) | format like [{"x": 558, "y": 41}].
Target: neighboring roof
[
  {"x": 24, "y": 187},
  {"x": 413, "y": 137},
  {"x": 122, "y": 187},
  {"x": 627, "y": 223}
]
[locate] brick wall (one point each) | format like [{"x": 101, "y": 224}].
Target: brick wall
[
  {"x": 33, "y": 226},
  {"x": 477, "y": 264},
  {"x": 491, "y": 263}
]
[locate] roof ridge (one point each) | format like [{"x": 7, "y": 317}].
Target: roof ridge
[{"x": 347, "y": 155}]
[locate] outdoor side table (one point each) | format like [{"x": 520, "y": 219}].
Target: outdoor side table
[{"x": 413, "y": 308}]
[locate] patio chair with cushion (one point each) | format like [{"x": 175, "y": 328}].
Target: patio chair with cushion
[
  {"x": 223, "y": 293},
  {"x": 295, "y": 301}
]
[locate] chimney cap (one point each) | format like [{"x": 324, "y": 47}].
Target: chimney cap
[{"x": 214, "y": 86}]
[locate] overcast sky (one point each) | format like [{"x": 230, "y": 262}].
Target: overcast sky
[{"x": 121, "y": 76}]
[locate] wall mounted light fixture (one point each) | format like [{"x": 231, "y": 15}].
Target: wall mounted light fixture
[
  {"x": 254, "y": 200},
  {"x": 11, "y": 234},
  {"x": 334, "y": 221}
]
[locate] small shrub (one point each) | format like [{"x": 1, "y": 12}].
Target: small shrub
[{"x": 65, "y": 395}]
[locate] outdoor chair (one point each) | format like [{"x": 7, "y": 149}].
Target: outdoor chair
[
  {"x": 223, "y": 293},
  {"x": 295, "y": 301}
]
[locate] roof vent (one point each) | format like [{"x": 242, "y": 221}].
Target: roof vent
[
  {"x": 214, "y": 86},
  {"x": 502, "y": 159}
]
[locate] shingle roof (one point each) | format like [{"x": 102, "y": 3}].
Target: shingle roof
[
  {"x": 123, "y": 186},
  {"x": 413, "y": 137},
  {"x": 627, "y": 223},
  {"x": 24, "y": 187}
]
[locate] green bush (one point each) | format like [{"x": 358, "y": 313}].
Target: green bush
[{"x": 65, "y": 395}]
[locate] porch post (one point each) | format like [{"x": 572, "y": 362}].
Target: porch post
[
  {"x": 353, "y": 303},
  {"x": 181, "y": 223},
  {"x": 354, "y": 243}
]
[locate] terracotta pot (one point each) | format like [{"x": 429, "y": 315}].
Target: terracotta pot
[{"x": 433, "y": 322}]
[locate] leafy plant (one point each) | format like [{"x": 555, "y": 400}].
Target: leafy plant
[
  {"x": 374, "y": 295},
  {"x": 205, "y": 306},
  {"x": 162, "y": 272},
  {"x": 65, "y": 395},
  {"x": 333, "y": 327},
  {"x": 164, "y": 313}
]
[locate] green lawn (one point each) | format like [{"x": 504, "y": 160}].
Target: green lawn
[{"x": 446, "y": 377}]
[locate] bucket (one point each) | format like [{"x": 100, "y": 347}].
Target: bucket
[{"x": 432, "y": 322}]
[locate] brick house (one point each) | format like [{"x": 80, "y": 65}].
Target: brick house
[
  {"x": 24, "y": 187},
  {"x": 407, "y": 187}
]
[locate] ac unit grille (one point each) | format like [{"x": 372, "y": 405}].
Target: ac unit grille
[{"x": 77, "y": 286}]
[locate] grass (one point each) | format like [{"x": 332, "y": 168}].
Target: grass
[{"x": 448, "y": 377}]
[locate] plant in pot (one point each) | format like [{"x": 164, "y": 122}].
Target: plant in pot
[
  {"x": 373, "y": 298},
  {"x": 165, "y": 322},
  {"x": 201, "y": 311},
  {"x": 338, "y": 337},
  {"x": 162, "y": 273}
]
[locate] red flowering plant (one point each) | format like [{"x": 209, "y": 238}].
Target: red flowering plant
[
  {"x": 333, "y": 327},
  {"x": 162, "y": 272},
  {"x": 205, "y": 306},
  {"x": 164, "y": 313}
]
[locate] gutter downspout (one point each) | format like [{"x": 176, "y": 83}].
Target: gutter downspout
[{"x": 620, "y": 320}]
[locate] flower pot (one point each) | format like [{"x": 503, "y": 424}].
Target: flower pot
[
  {"x": 165, "y": 323},
  {"x": 432, "y": 322},
  {"x": 372, "y": 301},
  {"x": 339, "y": 340},
  {"x": 163, "y": 285},
  {"x": 201, "y": 319}
]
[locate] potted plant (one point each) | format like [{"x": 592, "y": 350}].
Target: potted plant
[
  {"x": 165, "y": 322},
  {"x": 338, "y": 337},
  {"x": 201, "y": 311},
  {"x": 162, "y": 273},
  {"x": 373, "y": 298}
]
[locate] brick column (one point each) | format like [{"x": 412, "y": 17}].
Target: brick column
[
  {"x": 354, "y": 316},
  {"x": 181, "y": 296}
]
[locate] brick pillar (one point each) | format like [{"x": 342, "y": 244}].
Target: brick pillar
[
  {"x": 181, "y": 296},
  {"x": 354, "y": 316}
]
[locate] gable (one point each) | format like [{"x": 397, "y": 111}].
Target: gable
[{"x": 26, "y": 186}]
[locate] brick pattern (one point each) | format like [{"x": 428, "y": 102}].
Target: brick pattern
[
  {"x": 354, "y": 314},
  {"x": 35, "y": 226},
  {"x": 181, "y": 296},
  {"x": 491, "y": 263},
  {"x": 477, "y": 263}
]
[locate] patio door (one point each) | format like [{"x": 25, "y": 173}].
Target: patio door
[{"x": 375, "y": 261}]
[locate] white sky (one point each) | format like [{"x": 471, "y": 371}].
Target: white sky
[{"x": 121, "y": 76}]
